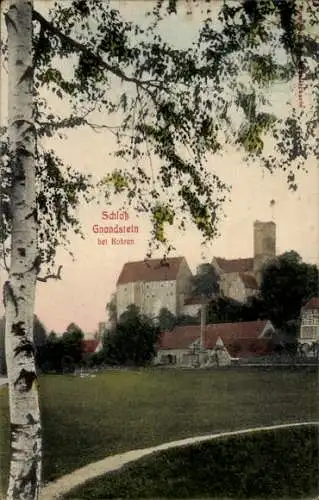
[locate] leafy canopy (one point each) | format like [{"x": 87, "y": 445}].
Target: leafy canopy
[
  {"x": 287, "y": 284},
  {"x": 133, "y": 341},
  {"x": 178, "y": 105},
  {"x": 205, "y": 283}
]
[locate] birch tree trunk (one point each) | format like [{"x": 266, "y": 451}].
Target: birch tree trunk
[{"x": 19, "y": 290}]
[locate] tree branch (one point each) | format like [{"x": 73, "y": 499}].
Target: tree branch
[
  {"x": 56, "y": 276},
  {"x": 80, "y": 47}
]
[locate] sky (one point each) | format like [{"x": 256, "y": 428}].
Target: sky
[{"x": 89, "y": 280}]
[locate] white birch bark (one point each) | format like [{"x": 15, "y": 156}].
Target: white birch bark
[{"x": 19, "y": 290}]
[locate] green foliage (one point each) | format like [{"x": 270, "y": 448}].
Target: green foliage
[
  {"x": 111, "y": 310},
  {"x": 59, "y": 189},
  {"x": 62, "y": 353},
  {"x": 205, "y": 282},
  {"x": 72, "y": 343},
  {"x": 177, "y": 105},
  {"x": 166, "y": 320},
  {"x": 287, "y": 284},
  {"x": 187, "y": 319},
  {"x": 161, "y": 214},
  {"x": 133, "y": 341},
  {"x": 50, "y": 356},
  {"x": 231, "y": 467},
  {"x": 227, "y": 310}
]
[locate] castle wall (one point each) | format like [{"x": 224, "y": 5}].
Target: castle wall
[
  {"x": 183, "y": 286},
  {"x": 149, "y": 297},
  {"x": 232, "y": 286},
  {"x": 124, "y": 297}
]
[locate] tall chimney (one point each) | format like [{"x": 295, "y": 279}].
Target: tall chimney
[{"x": 202, "y": 330}]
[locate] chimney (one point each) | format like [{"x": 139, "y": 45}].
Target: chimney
[{"x": 202, "y": 331}]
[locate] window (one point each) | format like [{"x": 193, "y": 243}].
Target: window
[
  {"x": 309, "y": 332},
  {"x": 310, "y": 318}
]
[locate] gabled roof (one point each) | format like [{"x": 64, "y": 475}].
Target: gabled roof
[
  {"x": 233, "y": 332},
  {"x": 90, "y": 346},
  {"x": 235, "y": 265},
  {"x": 249, "y": 281},
  {"x": 312, "y": 303},
  {"x": 150, "y": 270},
  {"x": 181, "y": 337}
]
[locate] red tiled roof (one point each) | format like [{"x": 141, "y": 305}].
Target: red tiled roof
[
  {"x": 89, "y": 346},
  {"x": 182, "y": 336},
  {"x": 249, "y": 281},
  {"x": 235, "y": 265},
  {"x": 312, "y": 303},
  {"x": 231, "y": 332},
  {"x": 150, "y": 270},
  {"x": 245, "y": 348}
]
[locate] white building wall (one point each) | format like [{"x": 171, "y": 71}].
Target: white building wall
[
  {"x": 124, "y": 297},
  {"x": 237, "y": 290},
  {"x": 309, "y": 329},
  {"x": 191, "y": 309},
  {"x": 149, "y": 297},
  {"x": 171, "y": 356},
  {"x": 183, "y": 286},
  {"x": 157, "y": 295}
]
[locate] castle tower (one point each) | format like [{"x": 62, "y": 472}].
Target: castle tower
[{"x": 264, "y": 245}]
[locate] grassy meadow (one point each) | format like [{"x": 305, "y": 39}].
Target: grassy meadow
[{"x": 86, "y": 419}]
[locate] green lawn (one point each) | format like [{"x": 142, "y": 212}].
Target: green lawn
[
  {"x": 87, "y": 419},
  {"x": 274, "y": 464}
]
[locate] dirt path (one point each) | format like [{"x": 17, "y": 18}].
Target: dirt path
[{"x": 56, "y": 489}]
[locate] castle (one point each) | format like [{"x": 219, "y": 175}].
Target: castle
[
  {"x": 166, "y": 283},
  {"x": 240, "y": 278}
]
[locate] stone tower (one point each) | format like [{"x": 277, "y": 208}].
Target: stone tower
[{"x": 264, "y": 245}]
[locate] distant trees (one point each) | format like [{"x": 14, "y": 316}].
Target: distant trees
[
  {"x": 62, "y": 353},
  {"x": 287, "y": 284},
  {"x": 72, "y": 340},
  {"x": 133, "y": 341},
  {"x": 227, "y": 310},
  {"x": 224, "y": 310},
  {"x": 187, "y": 319},
  {"x": 111, "y": 310},
  {"x": 205, "y": 283},
  {"x": 166, "y": 320}
]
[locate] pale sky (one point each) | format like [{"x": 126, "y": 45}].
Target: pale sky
[{"x": 88, "y": 282}]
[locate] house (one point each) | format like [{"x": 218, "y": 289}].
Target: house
[
  {"x": 240, "y": 278},
  {"x": 154, "y": 284},
  {"x": 184, "y": 345},
  {"x": 309, "y": 327},
  {"x": 91, "y": 346},
  {"x": 192, "y": 306}
]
